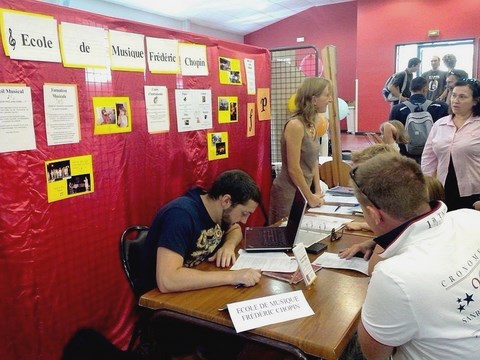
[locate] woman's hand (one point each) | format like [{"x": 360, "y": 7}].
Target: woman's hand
[{"x": 317, "y": 199}]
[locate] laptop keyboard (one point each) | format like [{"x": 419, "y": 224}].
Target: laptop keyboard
[{"x": 272, "y": 237}]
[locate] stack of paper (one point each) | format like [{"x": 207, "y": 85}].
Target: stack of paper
[{"x": 322, "y": 223}]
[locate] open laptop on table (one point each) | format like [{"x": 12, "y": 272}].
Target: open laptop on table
[{"x": 271, "y": 238}]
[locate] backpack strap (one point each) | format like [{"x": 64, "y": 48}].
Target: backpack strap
[
  {"x": 413, "y": 106},
  {"x": 426, "y": 104},
  {"x": 410, "y": 105}
]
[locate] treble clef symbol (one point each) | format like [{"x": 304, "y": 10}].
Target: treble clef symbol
[{"x": 11, "y": 40}]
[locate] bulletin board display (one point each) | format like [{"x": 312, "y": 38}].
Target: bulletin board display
[{"x": 59, "y": 254}]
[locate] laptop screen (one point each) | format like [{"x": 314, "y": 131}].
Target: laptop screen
[{"x": 296, "y": 213}]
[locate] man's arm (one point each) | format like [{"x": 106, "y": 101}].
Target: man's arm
[
  {"x": 371, "y": 348},
  {"x": 225, "y": 256},
  {"x": 172, "y": 276}
]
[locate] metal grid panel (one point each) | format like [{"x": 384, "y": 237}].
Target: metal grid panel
[{"x": 290, "y": 66}]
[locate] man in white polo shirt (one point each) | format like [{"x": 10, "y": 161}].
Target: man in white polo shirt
[{"x": 423, "y": 300}]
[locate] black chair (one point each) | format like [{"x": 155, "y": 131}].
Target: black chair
[{"x": 131, "y": 244}]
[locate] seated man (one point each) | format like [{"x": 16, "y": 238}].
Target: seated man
[
  {"x": 421, "y": 297},
  {"x": 197, "y": 226}
]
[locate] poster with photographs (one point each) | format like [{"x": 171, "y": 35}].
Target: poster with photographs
[
  {"x": 229, "y": 71},
  {"x": 217, "y": 145},
  {"x": 227, "y": 109},
  {"x": 194, "y": 109},
  {"x": 112, "y": 115},
  {"x": 69, "y": 177}
]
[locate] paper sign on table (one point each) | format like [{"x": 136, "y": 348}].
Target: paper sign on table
[{"x": 251, "y": 314}]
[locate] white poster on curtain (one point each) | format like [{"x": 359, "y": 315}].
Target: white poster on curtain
[
  {"x": 194, "y": 60},
  {"x": 62, "y": 119},
  {"x": 156, "y": 105},
  {"x": 194, "y": 109},
  {"x": 250, "y": 76},
  {"x": 16, "y": 118},
  {"x": 28, "y": 36}
]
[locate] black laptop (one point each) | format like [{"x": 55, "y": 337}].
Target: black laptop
[{"x": 266, "y": 238}]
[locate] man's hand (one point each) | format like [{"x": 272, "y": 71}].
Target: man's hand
[
  {"x": 365, "y": 247},
  {"x": 476, "y": 205},
  {"x": 358, "y": 226},
  {"x": 225, "y": 256},
  {"x": 246, "y": 277}
]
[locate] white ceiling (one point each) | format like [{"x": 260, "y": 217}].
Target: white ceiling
[{"x": 234, "y": 16}]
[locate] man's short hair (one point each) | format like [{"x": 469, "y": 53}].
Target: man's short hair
[
  {"x": 393, "y": 183},
  {"x": 418, "y": 84},
  {"x": 449, "y": 60},
  {"x": 414, "y": 62},
  {"x": 367, "y": 153},
  {"x": 236, "y": 183}
]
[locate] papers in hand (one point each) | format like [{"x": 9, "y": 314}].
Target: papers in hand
[
  {"x": 322, "y": 223},
  {"x": 265, "y": 261},
  {"x": 331, "y": 260}
]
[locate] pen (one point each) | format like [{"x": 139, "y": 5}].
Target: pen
[{"x": 338, "y": 207}]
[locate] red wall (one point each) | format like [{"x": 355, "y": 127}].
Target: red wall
[
  {"x": 365, "y": 33},
  {"x": 320, "y": 26},
  {"x": 382, "y": 24}
]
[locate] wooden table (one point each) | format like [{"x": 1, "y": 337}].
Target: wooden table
[{"x": 336, "y": 298}]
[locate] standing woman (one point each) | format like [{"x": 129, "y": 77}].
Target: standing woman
[
  {"x": 452, "y": 151},
  {"x": 300, "y": 149}
]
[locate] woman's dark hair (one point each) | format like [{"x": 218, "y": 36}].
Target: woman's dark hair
[{"x": 474, "y": 85}]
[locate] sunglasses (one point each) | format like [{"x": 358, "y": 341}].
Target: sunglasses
[
  {"x": 353, "y": 173},
  {"x": 336, "y": 235}
]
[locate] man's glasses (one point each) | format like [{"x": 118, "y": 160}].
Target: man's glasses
[
  {"x": 336, "y": 235},
  {"x": 352, "y": 175}
]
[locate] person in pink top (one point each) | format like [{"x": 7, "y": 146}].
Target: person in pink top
[{"x": 452, "y": 151}]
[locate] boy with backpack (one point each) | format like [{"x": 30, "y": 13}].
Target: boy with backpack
[
  {"x": 397, "y": 87},
  {"x": 417, "y": 115}
]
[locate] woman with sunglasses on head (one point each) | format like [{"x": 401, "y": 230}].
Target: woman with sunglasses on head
[{"x": 452, "y": 150}]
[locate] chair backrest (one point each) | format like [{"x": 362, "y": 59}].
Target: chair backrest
[{"x": 131, "y": 244}]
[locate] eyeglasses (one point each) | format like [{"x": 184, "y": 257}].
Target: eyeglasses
[
  {"x": 336, "y": 235},
  {"x": 352, "y": 175}
]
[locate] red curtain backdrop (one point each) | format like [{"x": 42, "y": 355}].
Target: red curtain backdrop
[{"x": 60, "y": 261}]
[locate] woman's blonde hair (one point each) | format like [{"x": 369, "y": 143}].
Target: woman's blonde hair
[
  {"x": 305, "y": 108},
  {"x": 434, "y": 188},
  {"x": 402, "y": 135}
]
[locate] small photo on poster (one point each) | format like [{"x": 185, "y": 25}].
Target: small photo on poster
[
  {"x": 105, "y": 115},
  {"x": 122, "y": 117},
  {"x": 217, "y": 145},
  {"x": 78, "y": 184}
]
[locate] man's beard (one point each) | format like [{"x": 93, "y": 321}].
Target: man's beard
[{"x": 226, "y": 220}]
